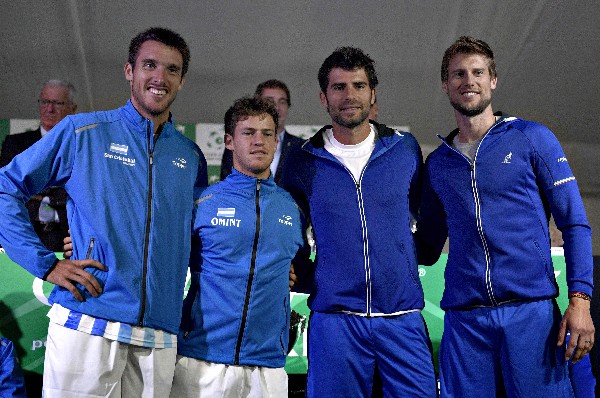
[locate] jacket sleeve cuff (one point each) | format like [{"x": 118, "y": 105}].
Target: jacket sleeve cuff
[
  {"x": 50, "y": 269},
  {"x": 580, "y": 287}
]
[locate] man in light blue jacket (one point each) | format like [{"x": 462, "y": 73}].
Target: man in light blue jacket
[
  {"x": 234, "y": 334},
  {"x": 131, "y": 178}
]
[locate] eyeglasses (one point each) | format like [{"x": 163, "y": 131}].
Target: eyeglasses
[{"x": 57, "y": 104}]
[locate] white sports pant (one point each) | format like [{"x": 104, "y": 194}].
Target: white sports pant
[
  {"x": 200, "y": 379},
  {"x": 81, "y": 365}
]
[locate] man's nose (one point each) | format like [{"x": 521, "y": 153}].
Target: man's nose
[
  {"x": 158, "y": 75},
  {"x": 259, "y": 139}
]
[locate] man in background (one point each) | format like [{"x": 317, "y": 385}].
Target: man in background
[
  {"x": 47, "y": 209},
  {"x": 277, "y": 92}
]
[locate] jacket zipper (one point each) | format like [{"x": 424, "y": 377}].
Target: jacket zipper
[
  {"x": 365, "y": 234},
  {"x": 90, "y": 248},
  {"x": 238, "y": 347},
  {"x": 147, "y": 234},
  {"x": 486, "y": 250},
  {"x": 477, "y": 202}
]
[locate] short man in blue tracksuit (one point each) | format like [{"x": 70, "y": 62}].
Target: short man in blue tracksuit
[
  {"x": 491, "y": 187},
  {"x": 131, "y": 178},
  {"x": 359, "y": 182},
  {"x": 234, "y": 334}
]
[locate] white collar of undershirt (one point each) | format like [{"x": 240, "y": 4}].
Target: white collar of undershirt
[
  {"x": 353, "y": 157},
  {"x": 336, "y": 148}
]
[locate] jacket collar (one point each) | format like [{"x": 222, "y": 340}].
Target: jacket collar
[
  {"x": 141, "y": 123},
  {"x": 245, "y": 183},
  {"x": 385, "y": 138},
  {"x": 503, "y": 117}
]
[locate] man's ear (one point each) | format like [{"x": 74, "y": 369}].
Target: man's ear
[
  {"x": 181, "y": 83},
  {"x": 128, "y": 71},
  {"x": 323, "y": 98},
  {"x": 229, "y": 141},
  {"x": 445, "y": 87}
]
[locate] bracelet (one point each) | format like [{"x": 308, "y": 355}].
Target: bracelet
[{"x": 580, "y": 295}]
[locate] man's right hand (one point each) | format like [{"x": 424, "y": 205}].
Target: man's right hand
[{"x": 67, "y": 273}]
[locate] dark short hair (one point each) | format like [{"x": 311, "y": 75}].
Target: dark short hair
[
  {"x": 246, "y": 107},
  {"x": 347, "y": 58},
  {"x": 273, "y": 83},
  {"x": 468, "y": 45},
  {"x": 164, "y": 36}
]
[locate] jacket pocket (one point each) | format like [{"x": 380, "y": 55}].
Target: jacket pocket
[
  {"x": 286, "y": 327},
  {"x": 410, "y": 266},
  {"x": 187, "y": 312},
  {"x": 93, "y": 252},
  {"x": 90, "y": 248},
  {"x": 547, "y": 267}
]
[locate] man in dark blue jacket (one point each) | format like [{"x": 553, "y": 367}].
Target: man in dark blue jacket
[
  {"x": 491, "y": 187},
  {"x": 359, "y": 182}
]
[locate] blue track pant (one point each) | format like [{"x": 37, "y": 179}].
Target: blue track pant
[
  {"x": 344, "y": 349},
  {"x": 506, "y": 351}
]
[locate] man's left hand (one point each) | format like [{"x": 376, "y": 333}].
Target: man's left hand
[{"x": 578, "y": 321}]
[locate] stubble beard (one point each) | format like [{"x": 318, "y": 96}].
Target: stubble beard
[
  {"x": 154, "y": 112},
  {"x": 475, "y": 110},
  {"x": 350, "y": 123}
]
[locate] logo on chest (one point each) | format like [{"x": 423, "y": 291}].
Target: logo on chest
[
  {"x": 119, "y": 152},
  {"x": 286, "y": 220},
  {"x": 226, "y": 218},
  {"x": 180, "y": 162}
]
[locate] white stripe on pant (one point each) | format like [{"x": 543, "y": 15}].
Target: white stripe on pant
[{"x": 81, "y": 365}]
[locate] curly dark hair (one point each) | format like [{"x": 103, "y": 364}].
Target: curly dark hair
[{"x": 347, "y": 58}]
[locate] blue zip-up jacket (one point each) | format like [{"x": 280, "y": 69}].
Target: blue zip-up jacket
[
  {"x": 496, "y": 209},
  {"x": 12, "y": 383},
  {"x": 129, "y": 207},
  {"x": 366, "y": 260},
  {"x": 237, "y": 311}
]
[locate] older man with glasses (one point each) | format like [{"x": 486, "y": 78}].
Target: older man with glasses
[{"x": 47, "y": 210}]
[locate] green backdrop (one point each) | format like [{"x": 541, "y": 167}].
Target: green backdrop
[{"x": 23, "y": 315}]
